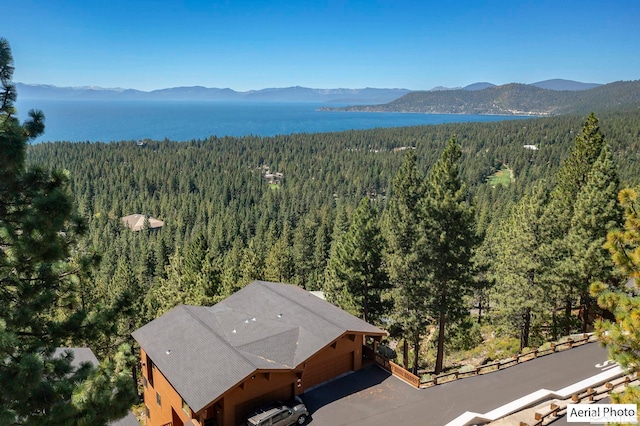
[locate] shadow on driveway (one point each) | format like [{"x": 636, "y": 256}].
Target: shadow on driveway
[{"x": 342, "y": 387}]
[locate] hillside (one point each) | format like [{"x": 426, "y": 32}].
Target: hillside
[
  {"x": 514, "y": 99},
  {"x": 561, "y": 84}
]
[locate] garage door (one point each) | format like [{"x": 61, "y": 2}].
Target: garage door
[{"x": 326, "y": 369}]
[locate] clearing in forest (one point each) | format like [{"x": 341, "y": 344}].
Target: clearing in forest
[{"x": 504, "y": 177}]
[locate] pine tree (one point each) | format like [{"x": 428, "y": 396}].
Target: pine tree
[
  {"x": 570, "y": 179},
  {"x": 405, "y": 264},
  {"x": 40, "y": 268},
  {"x": 518, "y": 267},
  {"x": 450, "y": 239},
  {"x": 360, "y": 281},
  {"x": 193, "y": 278},
  {"x": 279, "y": 262},
  {"x": 303, "y": 242},
  {"x": 622, "y": 337},
  {"x": 596, "y": 212}
]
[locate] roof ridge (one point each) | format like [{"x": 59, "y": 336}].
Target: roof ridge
[
  {"x": 289, "y": 330},
  {"x": 212, "y": 331},
  {"x": 298, "y": 328},
  {"x": 303, "y": 306}
]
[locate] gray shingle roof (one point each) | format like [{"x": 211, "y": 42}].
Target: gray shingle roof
[
  {"x": 80, "y": 356},
  {"x": 204, "y": 351},
  {"x": 84, "y": 355}
]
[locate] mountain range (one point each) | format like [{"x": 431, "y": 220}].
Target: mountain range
[
  {"x": 514, "y": 99},
  {"x": 288, "y": 94}
]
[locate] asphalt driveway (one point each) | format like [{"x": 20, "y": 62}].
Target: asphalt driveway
[{"x": 373, "y": 397}]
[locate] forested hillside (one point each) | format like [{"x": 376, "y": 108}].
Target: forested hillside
[
  {"x": 226, "y": 224},
  {"x": 514, "y": 99}
]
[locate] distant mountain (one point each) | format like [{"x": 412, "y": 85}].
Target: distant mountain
[
  {"x": 514, "y": 99},
  {"x": 479, "y": 86},
  {"x": 443, "y": 88},
  {"x": 560, "y": 84},
  {"x": 287, "y": 94}
]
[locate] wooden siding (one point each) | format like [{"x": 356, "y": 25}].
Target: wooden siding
[
  {"x": 170, "y": 408},
  {"x": 343, "y": 355}
]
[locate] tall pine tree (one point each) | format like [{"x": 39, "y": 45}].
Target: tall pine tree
[
  {"x": 518, "y": 267},
  {"x": 570, "y": 179},
  {"x": 403, "y": 257},
  {"x": 359, "y": 282},
  {"x": 39, "y": 306},
  {"x": 596, "y": 212},
  {"x": 450, "y": 238},
  {"x": 622, "y": 336}
]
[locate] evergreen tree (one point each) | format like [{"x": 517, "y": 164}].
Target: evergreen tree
[
  {"x": 192, "y": 278},
  {"x": 279, "y": 262},
  {"x": 303, "y": 248},
  {"x": 39, "y": 305},
  {"x": 450, "y": 239},
  {"x": 251, "y": 266},
  {"x": 622, "y": 337},
  {"x": 596, "y": 212},
  {"x": 405, "y": 263},
  {"x": 359, "y": 280},
  {"x": 518, "y": 267},
  {"x": 570, "y": 179}
]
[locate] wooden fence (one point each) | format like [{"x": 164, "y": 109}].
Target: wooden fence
[
  {"x": 414, "y": 380},
  {"x": 556, "y": 409},
  {"x": 397, "y": 370},
  {"x": 500, "y": 365}
]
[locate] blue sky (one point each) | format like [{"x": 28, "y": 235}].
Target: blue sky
[{"x": 246, "y": 44}]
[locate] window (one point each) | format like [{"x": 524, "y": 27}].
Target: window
[
  {"x": 158, "y": 400},
  {"x": 186, "y": 408},
  {"x": 147, "y": 412},
  {"x": 150, "y": 370},
  {"x": 280, "y": 416},
  {"x": 144, "y": 381}
]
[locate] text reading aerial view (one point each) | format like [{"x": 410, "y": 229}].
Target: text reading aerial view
[{"x": 319, "y": 212}]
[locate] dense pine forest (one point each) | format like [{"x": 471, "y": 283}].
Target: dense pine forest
[
  {"x": 231, "y": 218},
  {"x": 527, "y": 226}
]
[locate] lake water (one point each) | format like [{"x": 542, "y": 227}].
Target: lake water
[{"x": 107, "y": 120}]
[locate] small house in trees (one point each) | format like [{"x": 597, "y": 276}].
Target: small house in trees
[
  {"x": 269, "y": 341},
  {"x": 137, "y": 221}
]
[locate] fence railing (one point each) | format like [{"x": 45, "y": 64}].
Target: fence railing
[
  {"x": 556, "y": 409},
  {"x": 415, "y": 380},
  {"x": 397, "y": 370},
  {"x": 506, "y": 363}
]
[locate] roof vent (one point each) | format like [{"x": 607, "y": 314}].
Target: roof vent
[
  {"x": 279, "y": 315},
  {"x": 168, "y": 351},
  {"x": 234, "y": 331},
  {"x": 253, "y": 319},
  {"x": 246, "y": 321}
]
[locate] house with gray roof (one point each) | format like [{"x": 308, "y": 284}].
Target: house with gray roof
[
  {"x": 86, "y": 356},
  {"x": 269, "y": 341}
]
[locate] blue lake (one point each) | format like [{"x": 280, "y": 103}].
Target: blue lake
[{"x": 108, "y": 120}]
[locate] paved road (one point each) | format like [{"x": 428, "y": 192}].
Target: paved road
[{"x": 372, "y": 397}]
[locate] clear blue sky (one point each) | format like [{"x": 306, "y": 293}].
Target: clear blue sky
[{"x": 247, "y": 44}]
